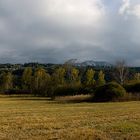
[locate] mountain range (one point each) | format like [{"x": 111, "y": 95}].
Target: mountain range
[{"x": 93, "y": 64}]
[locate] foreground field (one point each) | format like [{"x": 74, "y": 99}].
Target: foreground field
[{"x": 41, "y": 119}]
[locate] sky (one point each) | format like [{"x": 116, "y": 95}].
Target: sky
[{"x": 53, "y": 31}]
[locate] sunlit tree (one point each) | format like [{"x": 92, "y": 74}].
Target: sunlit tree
[
  {"x": 121, "y": 72},
  {"x": 7, "y": 80},
  {"x": 137, "y": 76},
  {"x": 59, "y": 76},
  {"x": 41, "y": 82},
  {"x": 27, "y": 78},
  {"x": 74, "y": 77},
  {"x": 101, "y": 78},
  {"x": 90, "y": 77}
]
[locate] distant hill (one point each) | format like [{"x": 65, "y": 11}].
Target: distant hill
[{"x": 93, "y": 64}]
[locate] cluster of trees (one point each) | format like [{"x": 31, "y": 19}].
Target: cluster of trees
[
  {"x": 126, "y": 86},
  {"x": 69, "y": 80},
  {"x": 43, "y": 83}
]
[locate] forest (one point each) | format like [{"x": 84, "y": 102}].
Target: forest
[{"x": 118, "y": 82}]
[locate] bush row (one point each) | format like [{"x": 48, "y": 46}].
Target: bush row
[
  {"x": 133, "y": 87},
  {"x": 73, "y": 90},
  {"x": 109, "y": 92}
]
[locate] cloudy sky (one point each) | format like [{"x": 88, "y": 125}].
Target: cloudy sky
[{"x": 58, "y": 30}]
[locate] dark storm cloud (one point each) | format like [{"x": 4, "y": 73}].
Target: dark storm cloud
[{"x": 57, "y": 30}]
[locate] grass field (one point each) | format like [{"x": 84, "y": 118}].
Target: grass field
[{"x": 41, "y": 119}]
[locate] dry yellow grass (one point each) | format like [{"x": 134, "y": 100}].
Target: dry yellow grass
[
  {"x": 73, "y": 99},
  {"x": 40, "y": 119}
]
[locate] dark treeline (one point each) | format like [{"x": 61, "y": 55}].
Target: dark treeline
[
  {"x": 59, "y": 80},
  {"x": 44, "y": 81}
]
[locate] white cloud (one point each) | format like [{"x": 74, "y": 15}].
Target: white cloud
[
  {"x": 136, "y": 10},
  {"x": 124, "y": 7},
  {"x": 55, "y": 30},
  {"x": 129, "y": 8},
  {"x": 73, "y": 11}
]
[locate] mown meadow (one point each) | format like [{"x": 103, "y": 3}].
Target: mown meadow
[{"x": 35, "y": 118}]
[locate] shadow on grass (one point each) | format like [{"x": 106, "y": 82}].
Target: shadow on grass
[
  {"x": 36, "y": 99},
  {"x": 61, "y": 99},
  {"x": 74, "y": 99},
  {"x": 25, "y": 97}
]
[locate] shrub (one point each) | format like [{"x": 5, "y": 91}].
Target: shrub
[
  {"x": 130, "y": 97},
  {"x": 133, "y": 87},
  {"x": 109, "y": 92},
  {"x": 67, "y": 90},
  {"x": 16, "y": 92},
  {"x": 86, "y": 90}
]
